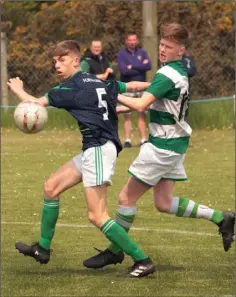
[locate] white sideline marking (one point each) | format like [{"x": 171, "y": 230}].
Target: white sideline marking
[{"x": 175, "y": 231}]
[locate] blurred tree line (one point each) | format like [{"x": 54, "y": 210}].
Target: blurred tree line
[{"x": 32, "y": 27}]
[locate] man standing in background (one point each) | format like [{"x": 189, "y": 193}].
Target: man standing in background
[
  {"x": 96, "y": 62},
  {"x": 133, "y": 63}
]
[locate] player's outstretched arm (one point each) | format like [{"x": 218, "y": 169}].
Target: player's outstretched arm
[
  {"x": 138, "y": 104},
  {"x": 16, "y": 86},
  {"x": 122, "y": 109},
  {"x": 136, "y": 86}
]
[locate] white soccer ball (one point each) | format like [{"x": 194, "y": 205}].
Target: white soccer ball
[{"x": 30, "y": 116}]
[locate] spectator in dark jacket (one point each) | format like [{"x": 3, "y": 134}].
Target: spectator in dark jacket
[
  {"x": 96, "y": 62},
  {"x": 133, "y": 63}
]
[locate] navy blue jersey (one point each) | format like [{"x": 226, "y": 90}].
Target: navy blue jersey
[{"x": 92, "y": 102}]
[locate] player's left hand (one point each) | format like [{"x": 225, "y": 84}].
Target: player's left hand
[{"x": 15, "y": 84}]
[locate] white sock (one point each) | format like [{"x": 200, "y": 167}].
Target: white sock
[{"x": 128, "y": 140}]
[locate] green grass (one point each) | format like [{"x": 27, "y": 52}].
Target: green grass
[
  {"x": 203, "y": 115},
  {"x": 215, "y": 114},
  {"x": 189, "y": 264}
]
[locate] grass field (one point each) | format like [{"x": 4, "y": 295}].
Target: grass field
[
  {"x": 204, "y": 115},
  {"x": 188, "y": 252}
]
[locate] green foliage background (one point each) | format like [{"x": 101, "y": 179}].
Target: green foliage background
[{"x": 37, "y": 25}]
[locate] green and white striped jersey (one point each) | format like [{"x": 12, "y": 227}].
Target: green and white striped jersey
[{"x": 168, "y": 128}]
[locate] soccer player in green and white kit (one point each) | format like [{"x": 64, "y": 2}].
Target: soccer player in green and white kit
[{"x": 160, "y": 161}]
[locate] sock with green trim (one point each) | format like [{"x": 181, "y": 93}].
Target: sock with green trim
[
  {"x": 49, "y": 218},
  {"x": 124, "y": 217},
  {"x": 184, "y": 207},
  {"x": 117, "y": 235}
]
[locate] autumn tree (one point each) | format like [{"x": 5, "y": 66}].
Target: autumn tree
[{"x": 38, "y": 25}]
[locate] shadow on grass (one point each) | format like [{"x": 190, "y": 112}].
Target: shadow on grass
[
  {"x": 89, "y": 272},
  {"x": 166, "y": 267}
]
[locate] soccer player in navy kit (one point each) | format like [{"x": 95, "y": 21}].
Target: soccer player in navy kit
[{"x": 92, "y": 102}]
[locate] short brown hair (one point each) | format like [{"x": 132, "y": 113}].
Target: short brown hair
[
  {"x": 174, "y": 31},
  {"x": 95, "y": 39},
  {"x": 65, "y": 47}
]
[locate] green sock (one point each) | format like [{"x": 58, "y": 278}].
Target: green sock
[
  {"x": 124, "y": 217},
  {"x": 48, "y": 222},
  {"x": 117, "y": 235},
  {"x": 183, "y": 207}
]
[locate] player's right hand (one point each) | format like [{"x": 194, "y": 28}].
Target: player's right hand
[
  {"x": 109, "y": 70},
  {"x": 15, "y": 84}
]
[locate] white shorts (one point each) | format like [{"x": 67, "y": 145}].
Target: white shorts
[
  {"x": 153, "y": 164},
  {"x": 97, "y": 164}
]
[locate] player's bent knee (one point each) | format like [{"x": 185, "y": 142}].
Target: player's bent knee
[
  {"x": 49, "y": 190},
  {"x": 123, "y": 199},
  {"x": 97, "y": 219},
  {"x": 125, "y": 202},
  {"x": 94, "y": 219},
  {"x": 162, "y": 207}
]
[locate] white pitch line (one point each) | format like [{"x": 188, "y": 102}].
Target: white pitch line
[{"x": 175, "y": 231}]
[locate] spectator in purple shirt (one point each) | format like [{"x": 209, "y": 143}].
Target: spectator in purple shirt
[{"x": 133, "y": 63}]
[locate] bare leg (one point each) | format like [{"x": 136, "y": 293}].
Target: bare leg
[
  {"x": 96, "y": 203},
  {"x": 142, "y": 126},
  {"x": 127, "y": 126},
  {"x": 64, "y": 178},
  {"x": 98, "y": 215},
  {"x": 162, "y": 194},
  {"x": 126, "y": 211},
  {"x": 131, "y": 192}
]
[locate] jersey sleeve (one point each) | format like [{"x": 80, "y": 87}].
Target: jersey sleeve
[
  {"x": 84, "y": 66},
  {"x": 62, "y": 97},
  {"x": 121, "y": 87},
  {"x": 160, "y": 85},
  {"x": 112, "y": 88}
]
